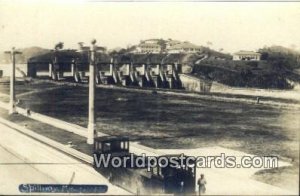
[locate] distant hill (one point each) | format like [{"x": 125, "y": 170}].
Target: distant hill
[
  {"x": 279, "y": 49},
  {"x": 27, "y": 53},
  {"x": 33, "y": 51},
  {"x": 156, "y": 58},
  {"x": 276, "y": 69},
  {"x": 126, "y": 56},
  {"x": 281, "y": 56}
]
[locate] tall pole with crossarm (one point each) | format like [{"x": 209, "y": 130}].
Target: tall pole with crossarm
[
  {"x": 12, "y": 97},
  {"x": 91, "y": 124}
]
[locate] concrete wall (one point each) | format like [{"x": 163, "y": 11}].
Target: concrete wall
[
  {"x": 192, "y": 83},
  {"x": 285, "y": 94}
]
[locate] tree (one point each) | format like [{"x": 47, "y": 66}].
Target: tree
[
  {"x": 162, "y": 44},
  {"x": 81, "y": 44},
  {"x": 59, "y": 46}
]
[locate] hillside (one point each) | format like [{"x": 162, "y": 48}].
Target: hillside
[
  {"x": 281, "y": 57},
  {"x": 121, "y": 56},
  {"x": 27, "y": 53},
  {"x": 126, "y": 56},
  {"x": 277, "y": 70}
]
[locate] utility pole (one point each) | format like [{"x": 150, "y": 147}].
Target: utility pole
[
  {"x": 91, "y": 124},
  {"x": 12, "y": 97}
]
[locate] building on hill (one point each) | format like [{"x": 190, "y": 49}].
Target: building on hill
[
  {"x": 156, "y": 46},
  {"x": 149, "y": 46},
  {"x": 246, "y": 56},
  {"x": 184, "y": 47}
]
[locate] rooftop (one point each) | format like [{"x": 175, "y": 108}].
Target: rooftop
[{"x": 149, "y": 44}]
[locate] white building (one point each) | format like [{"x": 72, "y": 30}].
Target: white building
[
  {"x": 184, "y": 47},
  {"x": 246, "y": 56},
  {"x": 149, "y": 46},
  {"x": 156, "y": 46}
]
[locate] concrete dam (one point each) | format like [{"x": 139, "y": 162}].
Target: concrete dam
[{"x": 168, "y": 76}]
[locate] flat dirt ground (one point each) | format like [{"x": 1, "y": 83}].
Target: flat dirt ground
[{"x": 168, "y": 121}]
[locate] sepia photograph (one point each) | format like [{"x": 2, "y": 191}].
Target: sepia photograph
[{"x": 149, "y": 97}]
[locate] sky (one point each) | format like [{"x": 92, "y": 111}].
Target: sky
[{"x": 228, "y": 25}]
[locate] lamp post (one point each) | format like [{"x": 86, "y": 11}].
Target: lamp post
[
  {"x": 12, "y": 97},
  {"x": 91, "y": 123}
]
